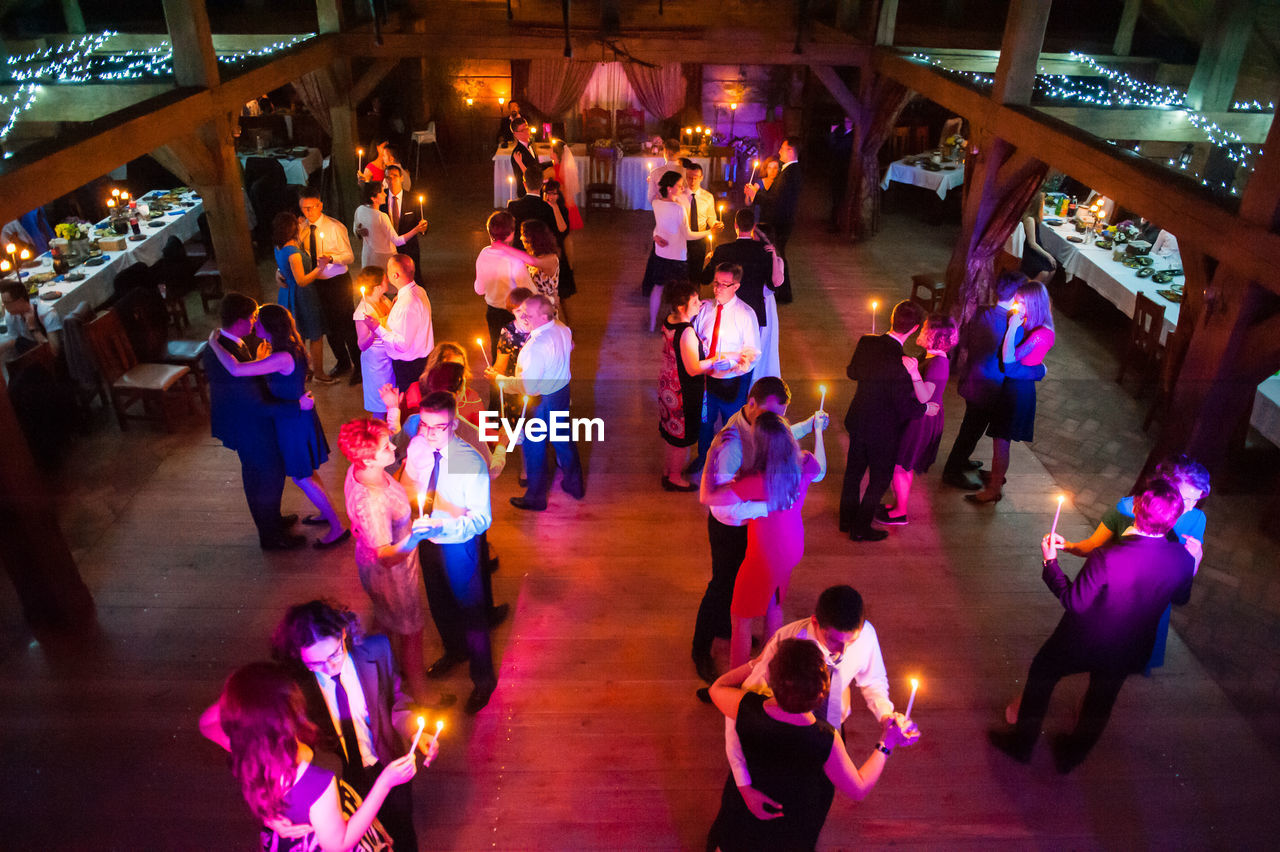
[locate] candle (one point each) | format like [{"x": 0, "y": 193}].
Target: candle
[
  {"x": 422, "y": 723},
  {"x": 511, "y": 187},
  {"x": 699, "y": 129},
  {"x": 483, "y": 351},
  {"x": 124, "y": 196},
  {"x": 915, "y": 684},
  {"x": 501, "y": 100},
  {"x": 733, "y": 106},
  {"x": 524, "y": 407},
  {"x": 359, "y": 159},
  {"x": 26, "y": 255},
  {"x": 1054, "y": 529},
  {"x": 111, "y": 204},
  {"x": 439, "y": 728},
  {"x": 421, "y": 199},
  {"x": 361, "y": 291},
  {"x": 822, "y": 403},
  {"x": 422, "y": 503},
  {"x": 874, "y": 306},
  {"x": 720, "y": 213},
  {"x": 115, "y": 192},
  {"x": 470, "y": 101},
  {"x": 754, "y": 165}
]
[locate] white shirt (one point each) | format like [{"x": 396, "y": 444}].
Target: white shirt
[
  {"x": 739, "y": 330},
  {"x": 728, "y": 449},
  {"x": 497, "y": 275},
  {"x": 542, "y": 366},
  {"x": 408, "y": 334},
  {"x": 861, "y": 665},
  {"x": 382, "y": 238},
  {"x": 706, "y": 211},
  {"x": 17, "y": 326},
  {"x": 331, "y": 239},
  {"x": 462, "y": 488},
  {"x": 671, "y": 222},
  {"x": 355, "y": 700}
]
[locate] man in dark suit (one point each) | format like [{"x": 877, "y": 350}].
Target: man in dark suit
[
  {"x": 240, "y": 415},
  {"x": 523, "y": 160},
  {"x": 786, "y": 192},
  {"x": 405, "y": 215},
  {"x": 530, "y": 205},
  {"x": 754, "y": 254},
  {"x": 884, "y": 402},
  {"x": 1112, "y": 610},
  {"x": 505, "y": 134}
]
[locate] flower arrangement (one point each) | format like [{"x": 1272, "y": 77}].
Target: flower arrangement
[
  {"x": 652, "y": 147},
  {"x": 956, "y": 140},
  {"x": 72, "y": 230}
]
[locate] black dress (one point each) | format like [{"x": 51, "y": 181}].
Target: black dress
[
  {"x": 918, "y": 448},
  {"x": 1034, "y": 263},
  {"x": 568, "y": 284},
  {"x": 786, "y": 764},
  {"x": 299, "y": 433}
]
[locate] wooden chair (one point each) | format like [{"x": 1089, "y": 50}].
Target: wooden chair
[
  {"x": 208, "y": 283},
  {"x": 630, "y": 128},
  {"x": 920, "y": 139},
  {"x": 1143, "y": 342},
  {"x": 715, "y": 180},
  {"x": 131, "y": 383},
  {"x": 928, "y": 291},
  {"x": 595, "y": 124},
  {"x": 602, "y": 172},
  {"x": 36, "y": 356},
  {"x": 898, "y": 143}
]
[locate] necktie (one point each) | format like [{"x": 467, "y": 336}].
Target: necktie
[
  {"x": 431, "y": 486},
  {"x": 825, "y": 706},
  {"x": 312, "y": 242},
  {"x": 693, "y": 212},
  {"x": 347, "y": 727},
  {"x": 395, "y": 214},
  {"x": 715, "y": 333}
]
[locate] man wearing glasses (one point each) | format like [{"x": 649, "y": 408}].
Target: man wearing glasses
[
  {"x": 727, "y": 328},
  {"x": 452, "y": 481}
]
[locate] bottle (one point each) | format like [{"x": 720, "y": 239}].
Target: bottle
[{"x": 1071, "y": 207}]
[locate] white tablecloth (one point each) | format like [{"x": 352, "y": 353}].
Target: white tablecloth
[
  {"x": 940, "y": 182},
  {"x": 96, "y": 288},
  {"x": 632, "y": 179},
  {"x": 1266, "y": 410},
  {"x": 296, "y": 169}
]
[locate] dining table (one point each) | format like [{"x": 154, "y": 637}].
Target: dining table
[
  {"x": 913, "y": 172},
  {"x": 631, "y": 179},
  {"x": 298, "y": 166}
]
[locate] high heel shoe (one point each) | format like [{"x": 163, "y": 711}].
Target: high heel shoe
[{"x": 668, "y": 485}]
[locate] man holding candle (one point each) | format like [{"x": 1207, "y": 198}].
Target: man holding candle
[
  {"x": 702, "y": 215},
  {"x": 325, "y": 237},
  {"x": 1113, "y": 608},
  {"x": 786, "y": 194},
  {"x": 452, "y": 481},
  {"x": 523, "y": 159},
  {"x": 762, "y": 275},
  {"x": 404, "y": 218},
  {"x": 497, "y": 275}
]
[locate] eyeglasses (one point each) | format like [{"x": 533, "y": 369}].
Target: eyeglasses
[
  {"x": 718, "y": 286},
  {"x": 435, "y": 429},
  {"x": 332, "y": 659}
]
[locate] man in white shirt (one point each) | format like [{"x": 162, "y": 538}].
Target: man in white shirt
[
  {"x": 728, "y": 328},
  {"x": 851, "y": 650},
  {"x": 324, "y": 236},
  {"x": 702, "y": 215},
  {"x": 452, "y": 481},
  {"x": 542, "y": 373},
  {"x": 407, "y": 334},
  {"x": 497, "y": 275},
  {"x": 31, "y": 322},
  {"x": 671, "y": 151}
]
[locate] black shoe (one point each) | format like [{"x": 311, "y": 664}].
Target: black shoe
[
  {"x": 961, "y": 481},
  {"x": 441, "y": 667},
  {"x": 1066, "y": 755},
  {"x": 845, "y": 526},
  {"x": 283, "y": 541},
  {"x": 705, "y": 667},
  {"x": 972, "y": 465},
  {"x": 883, "y": 517},
  {"x": 870, "y": 534},
  {"x": 339, "y": 369},
  {"x": 704, "y": 695},
  {"x": 333, "y": 542},
  {"x": 576, "y": 489},
  {"x": 668, "y": 485},
  {"x": 528, "y": 505},
  {"x": 356, "y": 377},
  {"x": 498, "y": 614},
  {"x": 478, "y": 701},
  {"x": 313, "y": 520},
  {"x": 1009, "y": 743},
  {"x": 287, "y": 521}
]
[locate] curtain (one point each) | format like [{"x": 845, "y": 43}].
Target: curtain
[
  {"x": 312, "y": 96},
  {"x": 556, "y": 85},
  {"x": 872, "y": 126},
  {"x": 661, "y": 90},
  {"x": 608, "y": 88}
]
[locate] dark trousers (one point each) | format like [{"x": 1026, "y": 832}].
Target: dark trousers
[
  {"x": 977, "y": 417},
  {"x": 262, "y": 473},
  {"x": 497, "y": 319},
  {"x": 696, "y": 252},
  {"x": 782, "y": 236},
  {"x": 456, "y": 597},
  {"x": 407, "y": 372},
  {"x": 566, "y": 452},
  {"x": 856, "y": 512},
  {"x": 1049, "y": 667},
  {"x": 719, "y": 410},
  {"x": 728, "y": 549},
  {"x": 396, "y": 813},
  {"x": 337, "y": 303}
]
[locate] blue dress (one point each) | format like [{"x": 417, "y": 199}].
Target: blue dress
[
  {"x": 302, "y": 302},
  {"x": 298, "y": 433}
]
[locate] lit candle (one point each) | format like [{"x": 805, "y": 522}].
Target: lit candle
[
  {"x": 754, "y": 165},
  {"x": 483, "y": 351},
  {"x": 359, "y": 159},
  {"x": 116, "y": 192},
  {"x": 439, "y": 728},
  {"x": 822, "y": 403},
  {"x": 1054, "y": 529},
  {"x": 915, "y": 684},
  {"x": 111, "y": 204},
  {"x": 874, "y": 306},
  {"x": 511, "y": 187},
  {"x": 361, "y": 291},
  {"x": 720, "y": 213},
  {"x": 422, "y": 724},
  {"x": 422, "y": 503},
  {"x": 733, "y": 106},
  {"x": 5, "y": 266},
  {"x": 524, "y": 407},
  {"x": 124, "y": 196},
  {"x": 699, "y": 129},
  {"x": 470, "y": 101},
  {"x": 421, "y": 199},
  {"x": 501, "y": 100},
  {"x": 26, "y": 255}
]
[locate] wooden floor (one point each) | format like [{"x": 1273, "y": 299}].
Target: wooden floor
[{"x": 594, "y": 739}]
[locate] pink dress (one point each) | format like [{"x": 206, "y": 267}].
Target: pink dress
[
  {"x": 775, "y": 544},
  {"x": 382, "y": 516}
]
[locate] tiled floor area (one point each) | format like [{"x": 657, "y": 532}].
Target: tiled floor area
[{"x": 594, "y": 739}]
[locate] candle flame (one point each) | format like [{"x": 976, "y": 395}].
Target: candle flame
[
  {"x": 422, "y": 722},
  {"x": 733, "y": 106},
  {"x": 116, "y": 192},
  {"x": 915, "y": 683},
  {"x": 698, "y": 128},
  {"x": 875, "y": 305},
  {"x": 439, "y": 726},
  {"x": 421, "y": 198},
  {"x": 501, "y": 100},
  {"x": 4, "y": 266},
  {"x": 10, "y": 248},
  {"x": 822, "y": 388},
  {"x": 470, "y": 101},
  {"x": 1061, "y": 498},
  {"x": 360, "y": 152},
  {"x": 526, "y": 399},
  {"x": 361, "y": 289},
  {"x": 480, "y": 342},
  {"x": 755, "y": 163},
  {"x": 111, "y": 202},
  {"x": 26, "y": 255},
  {"x": 511, "y": 179}
]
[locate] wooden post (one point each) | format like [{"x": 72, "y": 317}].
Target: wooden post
[
  {"x": 1020, "y": 51},
  {"x": 329, "y": 16},
  {"x": 194, "y": 61},
  {"x": 335, "y": 81},
  {"x": 72, "y": 15},
  {"x": 885, "y": 22},
  {"x": 1124, "y": 33},
  {"x": 35, "y": 554},
  {"x": 1214, "y": 80}
]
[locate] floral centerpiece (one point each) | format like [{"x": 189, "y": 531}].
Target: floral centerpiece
[
  {"x": 72, "y": 230},
  {"x": 652, "y": 147},
  {"x": 600, "y": 146},
  {"x": 956, "y": 143}
]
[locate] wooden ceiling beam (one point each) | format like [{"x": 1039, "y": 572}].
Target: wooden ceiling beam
[{"x": 1161, "y": 125}]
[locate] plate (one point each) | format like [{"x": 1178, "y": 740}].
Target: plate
[
  {"x": 96, "y": 261},
  {"x": 51, "y": 295},
  {"x": 75, "y": 276},
  {"x": 1053, "y": 222},
  {"x": 1075, "y": 239},
  {"x": 155, "y": 224}
]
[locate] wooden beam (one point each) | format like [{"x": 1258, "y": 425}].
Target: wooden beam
[
  {"x": 1214, "y": 80},
  {"x": 886, "y": 21},
  {"x": 831, "y": 80},
  {"x": 1124, "y": 32},
  {"x": 1020, "y": 51},
  {"x": 985, "y": 61},
  {"x": 370, "y": 79},
  {"x": 73, "y": 17},
  {"x": 335, "y": 82},
  {"x": 1145, "y": 188},
  {"x": 87, "y": 101},
  {"x": 1164, "y": 125},
  {"x": 194, "y": 62}
]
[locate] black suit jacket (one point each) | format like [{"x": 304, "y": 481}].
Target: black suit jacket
[
  {"x": 531, "y": 207},
  {"x": 757, "y": 270},
  {"x": 240, "y": 410},
  {"x": 389, "y": 707},
  {"x": 1115, "y": 602},
  {"x": 885, "y": 400},
  {"x": 786, "y": 193},
  {"x": 407, "y": 219}
]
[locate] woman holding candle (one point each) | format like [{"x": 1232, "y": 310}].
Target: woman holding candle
[
  {"x": 1027, "y": 341},
  {"x": 298, "y": 433},
  {"x": 795, "y": 758},
  {"x": 778, "y": 474},
  {"x": 681, "y": 384},
  {"x": 374, "y": 227},
  {"x": 297, "y": 296},
  {"x": 375, "y": 363},
  {"x": 262, "y": 721},
  {"x": 760, "y": 191},
  {"x": 671, "y": 236}
]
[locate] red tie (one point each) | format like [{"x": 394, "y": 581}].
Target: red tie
[{"x": 715, "y": 332}]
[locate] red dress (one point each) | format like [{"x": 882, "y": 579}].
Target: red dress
[
  {"x": 775, "y": 544},
  {"x": 575, "y": 217}
]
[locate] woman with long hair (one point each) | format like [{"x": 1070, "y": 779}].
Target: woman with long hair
[
  {"x": 1037, "y": 263},
  {"x": 299, "y": 434},
  {"x": 375, "y": 170},
  {"x": 1027, "y": 341},
  {"x": 373, "y": 225},
  {"x": 759, "y": 193},
  {"x": 671, "y": 236},
  {"x": 261, "y": 719},
  {"x": 542, "y": 255},
  {"x": 375, "y": 363},
  {"x": 682, "y": 384},
  {"x": 299, "y": 270},
  {"x": 564, "y": 168},
  {"x": 778, "y": 474},
  {"x": 470, "y": 404},
  {"x": 795, "y": 757}
]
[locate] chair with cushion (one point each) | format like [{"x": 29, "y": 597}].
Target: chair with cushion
[
  {"x": 145, "y": 316},
  {"x": 630, "y": 128},
  {"x": 602, "y": 172},
  {"x": 595, "y": 124},
  {"x": 928, "y": 291},
  {"x": 1142, "y": 348},
  {"x": 130, "y": 383}
]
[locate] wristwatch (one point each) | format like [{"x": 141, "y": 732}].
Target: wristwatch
[{"x": 882, "y": 748}]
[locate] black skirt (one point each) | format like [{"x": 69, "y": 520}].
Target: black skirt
[{"x": 660, "y": 271}]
